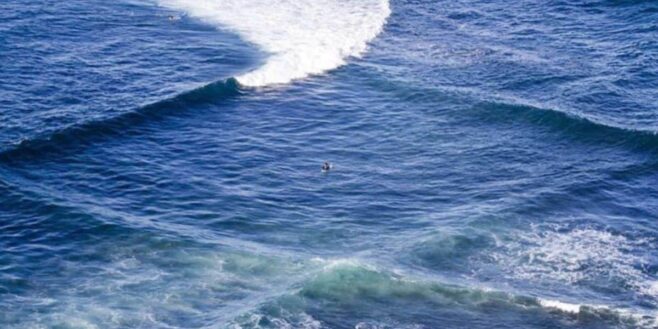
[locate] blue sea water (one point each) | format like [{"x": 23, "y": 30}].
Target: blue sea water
[{"x": 495, "y": 164}]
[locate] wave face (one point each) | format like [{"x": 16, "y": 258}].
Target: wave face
[
  {"x": 75, "y": 136},
  {"x": 302, "y": 37},
  {"x": 352, "y": 287}
]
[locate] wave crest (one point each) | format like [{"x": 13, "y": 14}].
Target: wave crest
[
  {"x": 81, "y": 134},
  {"x": 303, "y": 37}
]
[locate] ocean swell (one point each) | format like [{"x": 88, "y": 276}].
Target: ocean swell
[
  {"x": 302, "y": 37},
  {"x": 340, "y": 286},
  {"x": 69, "y": 138}
]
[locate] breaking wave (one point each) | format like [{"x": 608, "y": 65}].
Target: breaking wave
[
  {"x": 347, "y": 284},
  {"x": 302, "y": 37}
]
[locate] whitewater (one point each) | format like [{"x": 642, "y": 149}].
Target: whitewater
[{"x": 301, "y": 37}]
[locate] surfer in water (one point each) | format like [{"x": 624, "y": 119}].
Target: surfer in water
[{"x": 326, "y": 166}]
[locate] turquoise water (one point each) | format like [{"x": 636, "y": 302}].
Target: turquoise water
[{"x": 495, "y": 164}]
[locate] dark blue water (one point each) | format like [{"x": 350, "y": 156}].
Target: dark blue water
[{"x": 495, "y": 166}]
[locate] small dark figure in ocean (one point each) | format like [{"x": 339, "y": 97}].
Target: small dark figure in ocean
[{"x": 326, "y": 166}]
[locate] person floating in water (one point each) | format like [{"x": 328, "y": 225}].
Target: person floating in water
[{"x": 326, "y": 166}]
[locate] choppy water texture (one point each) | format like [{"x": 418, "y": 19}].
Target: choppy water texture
[{"x": 495, "y": 164}]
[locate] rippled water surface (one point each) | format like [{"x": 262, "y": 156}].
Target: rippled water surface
[{"x": 495, "y": 164}]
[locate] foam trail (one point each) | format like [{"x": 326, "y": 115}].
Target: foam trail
[
  {"x": 564, "y": 307},
  {"x": 303, "y": 37}
]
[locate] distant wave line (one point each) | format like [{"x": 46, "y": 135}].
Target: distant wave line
[{"x": 83, "y": 133}]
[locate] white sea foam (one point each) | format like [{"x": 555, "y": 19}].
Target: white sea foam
[
  {"x": 564, "y": 307},
  {"x": 285, "y": 320},
  {"x": 639, "y": 318},
  {"x": 303, "y": 37},
  {"x": 581, "y": 256},
  {"x": 333, "y": 263}
]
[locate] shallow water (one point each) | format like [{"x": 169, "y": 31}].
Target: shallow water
[{"x": 494, "y": 164}]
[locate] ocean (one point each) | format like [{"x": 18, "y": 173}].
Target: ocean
[{"x": 495, "y": 164}]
